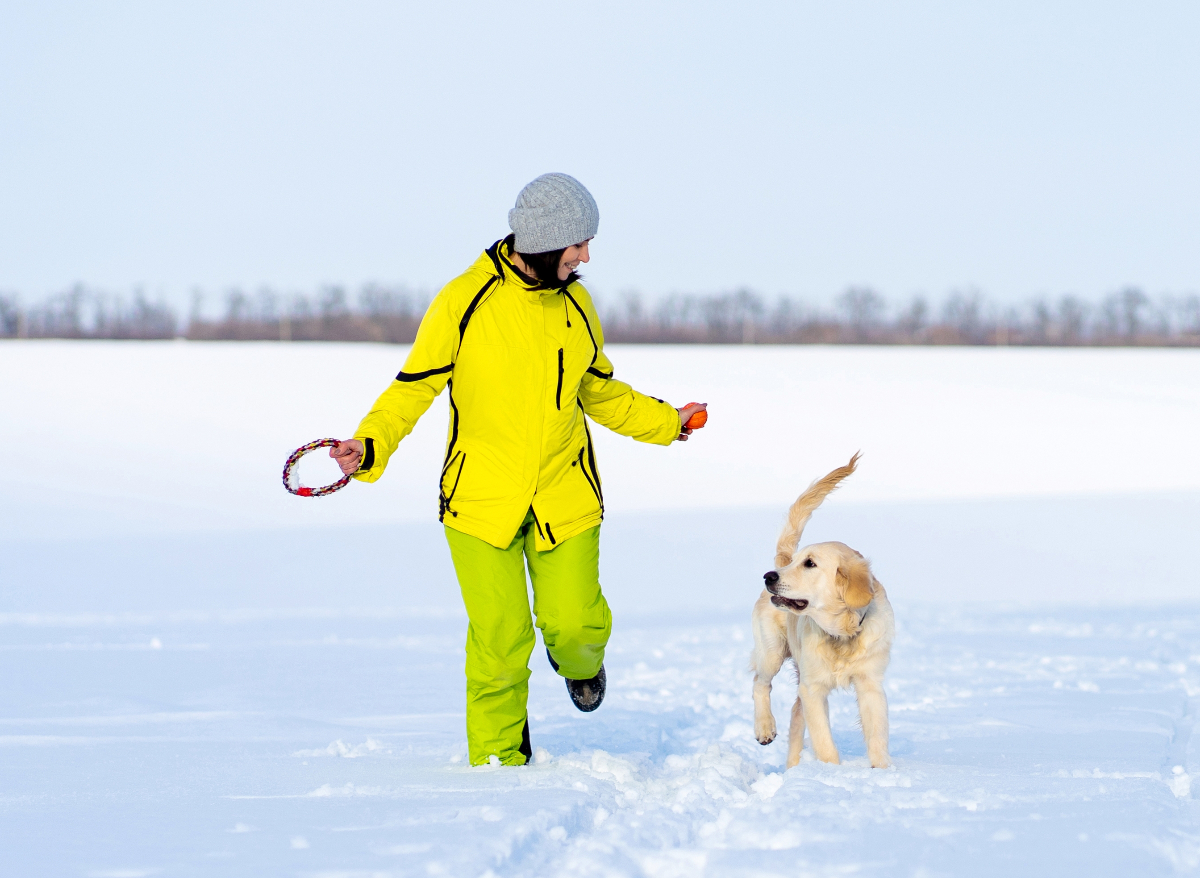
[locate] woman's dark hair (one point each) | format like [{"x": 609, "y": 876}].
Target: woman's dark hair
[{"x": 544, "y": 266}]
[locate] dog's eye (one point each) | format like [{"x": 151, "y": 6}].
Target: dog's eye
[{"x": 809, "y": 563}]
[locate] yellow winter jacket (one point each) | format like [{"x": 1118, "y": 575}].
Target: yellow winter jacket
[{"x": 523, "y": 366}]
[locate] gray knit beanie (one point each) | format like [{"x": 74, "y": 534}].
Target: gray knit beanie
[{"x": 553, "y": 212}]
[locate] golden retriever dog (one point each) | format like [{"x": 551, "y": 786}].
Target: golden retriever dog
[{"x": 823, "y": 609}]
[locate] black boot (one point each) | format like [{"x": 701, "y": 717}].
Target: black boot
[
  {"x": 525, "y": 748},
  {"x": 587, "y": 695}
]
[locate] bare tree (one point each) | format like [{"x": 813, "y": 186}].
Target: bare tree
[
  {"x": 963, "y": 313},
  {"x": 914, "y": 319},
  {"x": 10, "y": 314},
  {"x": 1133, "y": 303},
  {"x": 863, "y": 310},
  {"x": 1072, "y": 320}
]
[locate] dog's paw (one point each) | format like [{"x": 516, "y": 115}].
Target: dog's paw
[
  {"x": 764, "y": 731},
  {"x": 827, "y": 755}
]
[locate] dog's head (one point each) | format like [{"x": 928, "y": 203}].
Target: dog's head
[{"x": 829, "y": 582}]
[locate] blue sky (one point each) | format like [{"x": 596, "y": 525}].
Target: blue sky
[{"x": 1022, "y": 148}]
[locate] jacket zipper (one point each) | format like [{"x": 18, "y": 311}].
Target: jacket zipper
[
  {"x": 558, "y": 392},
  {"x": 444, "y": 500},
  {"x": 442, "y": 484},
  {"x": 595, "y": 490},
  {"x": 591, "y": 456},
  {"x": 450, "y": 452},
  {"x": 538, "y": 523},
  {"x": 588, "y": 326}
]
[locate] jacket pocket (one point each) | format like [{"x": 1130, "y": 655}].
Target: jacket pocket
[
  {"x": 592, "y": 480},
  {"x": 444, "y": 497},
  {"x": 558, "y": 392}
]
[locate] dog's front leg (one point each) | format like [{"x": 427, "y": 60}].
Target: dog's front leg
[
  {"x": 873, "y": 711},
  {"x": 816, "y": 712},
  {"x": 764, "y": 718},
  {"x": 770, "y": 652}
]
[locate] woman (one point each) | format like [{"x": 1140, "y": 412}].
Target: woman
[{"x": 517, "y": 341}]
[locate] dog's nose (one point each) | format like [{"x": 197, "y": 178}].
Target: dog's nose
[{"x": 771, "y": 578}]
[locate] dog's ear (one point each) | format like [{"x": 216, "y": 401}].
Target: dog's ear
[{"x": 854, "y": 577}]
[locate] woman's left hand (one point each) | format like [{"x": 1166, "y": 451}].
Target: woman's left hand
[
  {"x": 686, "y": 413},
  {"x": 348, "y": 454}
]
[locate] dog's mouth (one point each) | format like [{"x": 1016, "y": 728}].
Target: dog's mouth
[{"x": 793, "y": 604}]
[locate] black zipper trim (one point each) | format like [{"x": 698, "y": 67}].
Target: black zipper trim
[
  {"x": 417, "y": 376},
  {"x": 461, "y": 466},
  {"x": 595, "y": 491},
  {"x": 453, "y": 426},
  {"x": 592, "y": 457},
  {"x": 455, "y": 417},
  {"x": 598, "y": 374},
  {"x": 539, "y": 526},
  {"x": 441, "y": 486},
  {"x": 558, "y": 392},
  {"x": 450, "y": 463},
  {"x": 586, "y": 323},
  {"x": 445, "y": 502},
  {"x": 368, "y": 459},
  {"x": 595, "y": 473},
  {"x": 466, "y": 318}
]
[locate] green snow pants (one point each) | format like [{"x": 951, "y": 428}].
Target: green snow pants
[{"x": 569, "y": 608}]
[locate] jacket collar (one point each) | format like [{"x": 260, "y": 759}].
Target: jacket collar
[{"x": 498, "y": 260}]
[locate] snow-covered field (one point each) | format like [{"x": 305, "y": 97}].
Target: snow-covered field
[{"x": 204, "y": 675}]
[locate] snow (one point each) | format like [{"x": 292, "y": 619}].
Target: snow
[
  {"x": 208, "y": 426},
  {"x": 205, "y": 675}
]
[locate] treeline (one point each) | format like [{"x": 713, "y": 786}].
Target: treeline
[
  {"x": 375, "y": 314},
  {"x": 860, "y": 315},
  {"x": 80, "y": 313}
]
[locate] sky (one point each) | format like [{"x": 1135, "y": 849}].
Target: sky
[{"x": 796, "y": 148}]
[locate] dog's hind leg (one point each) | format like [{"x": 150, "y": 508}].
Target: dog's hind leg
[
  {"x": 796, "y": 734},
  {"x": 872, "y": 709},
  {"x": 816, "y": 713},
  {"x": 770, "y": 652}
]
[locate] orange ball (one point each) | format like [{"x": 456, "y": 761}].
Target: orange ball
[{"x": 698, "y": 419}]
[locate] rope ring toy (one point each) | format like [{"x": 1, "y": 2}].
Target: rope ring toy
[{"x": 304, "y": 491}]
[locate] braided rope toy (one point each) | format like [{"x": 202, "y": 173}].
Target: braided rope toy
[{"x": 303, "y": 491}]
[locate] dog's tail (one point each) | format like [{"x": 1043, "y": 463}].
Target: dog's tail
[{"x": 803, "y": 508}]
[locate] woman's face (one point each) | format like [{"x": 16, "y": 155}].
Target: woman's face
[{"x": 571, "y": 258}]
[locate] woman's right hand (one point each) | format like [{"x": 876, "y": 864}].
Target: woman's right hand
[
  {"x": 348, "y": 454},
  {"x": 686, "y": 413}
]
